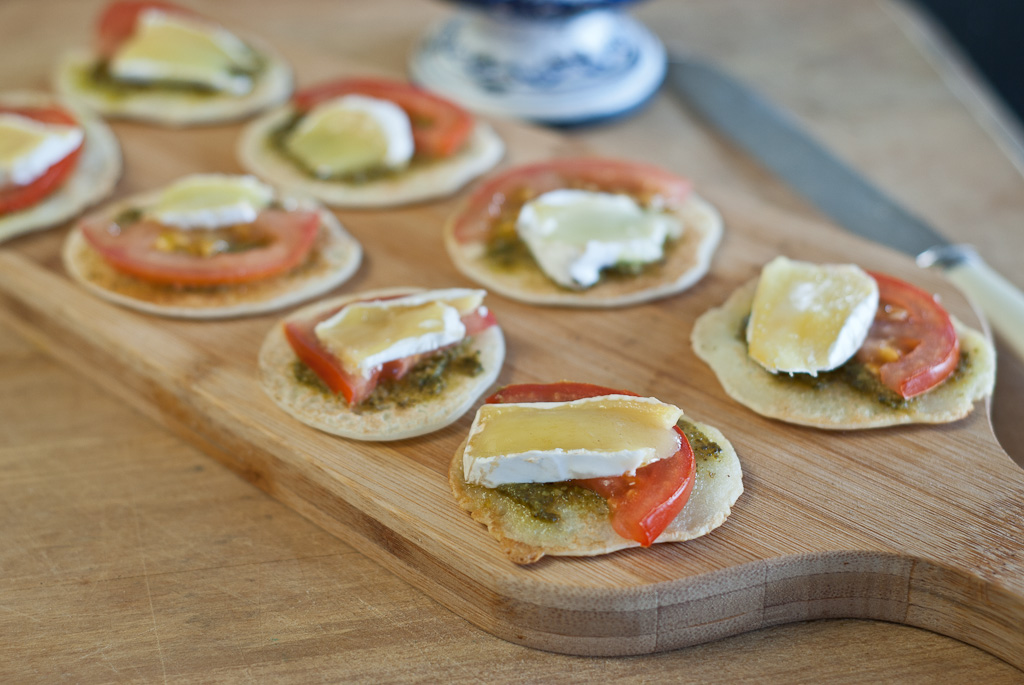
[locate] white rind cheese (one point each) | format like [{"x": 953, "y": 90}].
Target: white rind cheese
[
  {"x": 169, "y": 46},
  {"x": 204, "y": 201},
  {"x": 366, "y": 335},
  {"x": 352, "y": 133},
  {"x": 29, "y": 147},
  {"x": 575, "y": 234},
  {"x": 549, "y": 442},
  {"x": 809, "y": 317}
]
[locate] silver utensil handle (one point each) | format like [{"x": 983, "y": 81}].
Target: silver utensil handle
[{"x": 1000, "y": 301}]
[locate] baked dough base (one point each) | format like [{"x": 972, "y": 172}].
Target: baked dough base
[
  {"x": 174, "y": 108},
  {"x": 335, "y": 258},
  {"x": 716, "y": 340},
  {"x": 332, "y": 414},
  {"x": 94, "y": 177},
  {"x": 483, "y": 150},
  {"x": 719, "y": 483},
  {"x": 686, "y": 262}
]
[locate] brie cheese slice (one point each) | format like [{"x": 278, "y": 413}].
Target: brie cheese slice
[
  {"x": 366, "y": 335},
  {"x": 352, "y": 133},
  {"x": 29, "y": 147},
  {"x": 169, "y": 46},
  {"x": 549, "y": 442},
  {"x": 202, "y": 201},
  {"x": 574, "y": 234},
  {"x": 809, "y": 317}
]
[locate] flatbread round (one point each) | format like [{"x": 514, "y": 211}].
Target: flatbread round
[
  {"x": 717, "y": 339},
  {"x": 94, "y": 176},
  {"x": 719, "y": 483},
  {"x": 331, "y": 413},
  {"x": 435, "y": 179},
  {"x": 335, "y": 257},
  {"x": 686, "y": 261},
  {"x": 175, "y": 108}
]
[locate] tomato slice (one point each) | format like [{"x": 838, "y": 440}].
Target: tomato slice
[
  {"x": 286, "y": 237},
  {"x": 642, "y": 181},
  {"x": 439, "y": 128},
  {"x": 912, "y": 342},
  {"x": 117, "y": 22},
  {"x": 301, "y": 336},
  {"x": 641, "y": 506},
  {"x": 14, "y": 198}
]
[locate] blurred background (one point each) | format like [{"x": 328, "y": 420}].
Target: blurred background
[{"x": 991, "y": 35}]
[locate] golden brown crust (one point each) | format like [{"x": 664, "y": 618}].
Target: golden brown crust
[
  {"x": 331, "y": 413},
  {"x": 335, "y": 257},
  {"x": 716, "y": 339},
  {"x": 587, "y": 532},
  {"x": 686, "y": 262}
]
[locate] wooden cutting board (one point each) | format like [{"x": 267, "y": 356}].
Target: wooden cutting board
[{"x": 916, "y": 525}]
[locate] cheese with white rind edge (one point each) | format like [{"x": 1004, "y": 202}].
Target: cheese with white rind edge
[
  {"x": 29, "y": 147},
  {"x": 809, "y": 317},
  {"x": 574, "y": 234},
  {"x": 167, "y": 46},
  {"x": 365, "y": 335},
  {"x": 550, "y": 442},
  {"x": 352, "y": 133},
  {"x": 202, "y": 201}
]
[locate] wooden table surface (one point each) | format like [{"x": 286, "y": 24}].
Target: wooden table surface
[{"x": 126, "y": 554}]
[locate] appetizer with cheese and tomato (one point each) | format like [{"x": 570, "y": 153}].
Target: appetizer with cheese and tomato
[
  {"x": 584, "y": 233},
  {"x": 573, "y": 469},
  {"x": 211, "y": 246},
  {"x": 365, "y": 142},
  {"x": 386, "y": 364},
  {"x": 158, "y": 62},
  {"x": 54, "y": 162},
  {"x": 834, "y": 346}
]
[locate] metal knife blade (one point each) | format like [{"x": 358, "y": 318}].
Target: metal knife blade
[{"x": 777, "y": 141}]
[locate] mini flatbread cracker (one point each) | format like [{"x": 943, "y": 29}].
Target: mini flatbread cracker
[
  {"x": 719, "y": 483},
  {"x": 717, "y": 339},
  {"x": 170, "y": 107},
  {"x": 438, "y": 178},
  {"x": 686, "y": 261},
  {"x": 94, "y": 176},
  {"x": 334, "y": 258},
  {"x": 331, "y": 413}
]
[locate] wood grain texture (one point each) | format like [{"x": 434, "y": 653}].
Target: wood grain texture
[{"x": 884, "y": 586}]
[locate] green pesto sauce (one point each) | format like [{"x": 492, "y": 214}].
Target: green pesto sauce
[
  {"x": 547, "y": 503},
  {"x": 857, "y": 376},
  {"x": 98, "y": 79},
  {"x": 426, "y": 380},
  {"x": 279, "y": 136},
  {"x": 504, "y": 249}
]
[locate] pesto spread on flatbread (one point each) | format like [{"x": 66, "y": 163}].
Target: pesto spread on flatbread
[
  {"x": 532, "y": 520},
  {"x": 484, "y": 238},
  {"x": 439, "y": 389},
  {"x": 846, "y": 398}
]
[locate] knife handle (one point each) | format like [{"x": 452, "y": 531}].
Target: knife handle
[{"x": 1000, "y": 301}]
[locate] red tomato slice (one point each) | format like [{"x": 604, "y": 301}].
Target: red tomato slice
[
  {"x": 439, "y": 128},
  {"x": 641, "y": 506},
  {"x": 117, "y": 23},
  {"x": 302, "y": 337},
  {"x": 132, "y": 250},
  {"x": 14, "y": 198},
  {"x": 912, "y": 342},
  {"x": 608, "y": 175}
]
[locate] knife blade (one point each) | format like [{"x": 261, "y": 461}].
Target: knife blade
[{"x": 777, "y": 140}]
